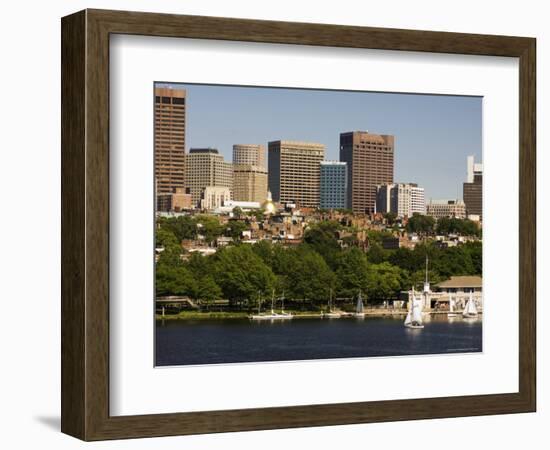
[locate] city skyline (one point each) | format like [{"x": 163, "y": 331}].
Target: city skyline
[{"x": 421, "y": 124}]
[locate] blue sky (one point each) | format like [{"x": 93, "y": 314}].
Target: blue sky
[{"x": 433, "y": 133}]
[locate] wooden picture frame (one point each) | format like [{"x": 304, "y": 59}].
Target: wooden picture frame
[{"x": 85, "y": 224}]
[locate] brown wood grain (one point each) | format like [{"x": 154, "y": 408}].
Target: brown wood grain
[{"x": 85, "y": 224}]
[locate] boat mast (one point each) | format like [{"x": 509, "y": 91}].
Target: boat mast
[{"x": 426, "y": 269}]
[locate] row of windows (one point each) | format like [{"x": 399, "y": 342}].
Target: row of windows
[{"x": 170, "y": 100}]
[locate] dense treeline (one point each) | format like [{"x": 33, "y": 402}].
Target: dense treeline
[
  {"x": 306, "y": 274},
  {"x": 427, "y": 225}
]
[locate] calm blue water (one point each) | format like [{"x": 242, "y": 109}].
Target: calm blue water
[{"x": 181, "y": 342}]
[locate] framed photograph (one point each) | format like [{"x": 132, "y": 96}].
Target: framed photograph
[{"x": 274, "y": 225}]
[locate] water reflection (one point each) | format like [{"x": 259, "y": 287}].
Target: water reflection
[{"x": 180, "y": 342}]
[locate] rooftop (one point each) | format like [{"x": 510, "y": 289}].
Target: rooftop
[
  {"x": 203, "y": 150},
  {"x": 461, "y": 282}
]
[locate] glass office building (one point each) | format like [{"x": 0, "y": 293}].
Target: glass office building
[{"x": 333, "y": 188}]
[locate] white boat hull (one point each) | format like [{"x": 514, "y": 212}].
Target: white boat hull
[
  {"x": 410, "y": 325},
  {"x": 271, "y": 317},
  {"x": 470, "y": 316}
]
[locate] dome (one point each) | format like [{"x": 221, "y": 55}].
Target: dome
[{"x": 268, "y": 206}]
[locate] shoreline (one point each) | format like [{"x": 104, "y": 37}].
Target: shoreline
[{"x": 296, "y": 315}]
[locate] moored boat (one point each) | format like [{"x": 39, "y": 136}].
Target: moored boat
[
  {"x": 330, "y": 314},
  {"x": 414, "y": 316},
  {"x": 359, "y": 307},
  {"x": 470, "y": 310},
  {"x": 272, "y": 315}
]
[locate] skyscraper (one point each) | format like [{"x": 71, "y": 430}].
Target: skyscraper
[
  {"x": 370, "y": 162},
  {"x": 294, "y": 171},
  {"x": 249, "y": 154},
  {"x": 402, "y": 199},
  {"x": 472, "y": 189},
  {"x": 333, "y": 185},
  {"x": 169, "y": 139},
  {"x": 206, "y": 167},
  {"x": 249, "y": 183}
]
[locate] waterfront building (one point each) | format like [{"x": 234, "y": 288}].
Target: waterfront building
[
  {"x": 370, "y": 162},
  {"x": 294, "y": 172},
  {"x": 333, "y": 185},
  {"x": 472, "y": 189},
  {"x": 446, "y": 208},
  {"x": 249, "y": 183},
  {"x": 249, "y": 154},
  {"x": 457, "y": 290},
  {"x": 206, "y": 167},
  {"x": 213, "y": 197},
  {"x": 402, "y": 199},
  {"x": 452, "y": 294},
  {"x": 174, "y": 201},
  {"x": 169, "y": 139}
]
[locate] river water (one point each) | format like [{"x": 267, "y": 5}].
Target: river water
[{"x": 185, "y": 342}]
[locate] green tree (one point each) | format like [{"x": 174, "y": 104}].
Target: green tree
[
  {"x": 465, "y": 227},
  {"x": 171, "y": 249},
  {"x": 208, "y": 290},
  {"x": 475, "y": 250},
  {"x": 454, "y": 261},
  {"x": 322, "y": 237},
  {"x": 209, "y": 227},
  {"x": 183, "y": 227},
  {"x": 376, "y": 253},
  {"x": 384, "y": 282},
  {"x": 235, "y": 229},
  {"x": 421, "y": 224},
  {"x": 241, "y": 274},
  {"x": 172, "y": 280},
  {"x": 351, "y": 273},
  {"x": 237, "y": 211},
  {"x": 390, "y": 217},
  {"x": 307, "y": 276},
  {"x": 264, "y": 249},
  {"x": 165, "y": 238}
]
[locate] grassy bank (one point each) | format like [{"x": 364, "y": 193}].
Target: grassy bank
[{"x": 197, "y": 315}]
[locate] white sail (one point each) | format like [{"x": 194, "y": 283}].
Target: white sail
[
  {"x": 451, "y": 304},
  {"x": 470, "y": 309},
  {"x": 408, "y": 319},
  {"x": 416, "y": 316},
  {"x": 359, "y": 307}
]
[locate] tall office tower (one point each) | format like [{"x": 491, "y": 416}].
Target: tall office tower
[
  {"x": 294, "y": 172},
  {"x": 249, "y": 183},
  {"x": 169, "y": 139},
  {"x": 472, "y": 189},
  {"x": 206, "y": 167},
  {"x": 402, "y": 199},
  {"x": 370, "y": 163},
  {"x": 333, "y": 187},
  {"x": 249, "y": 154}
]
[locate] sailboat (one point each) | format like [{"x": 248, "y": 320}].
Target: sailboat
[
  {"x": 273, "y": 315},
  {"x": 470, "y": 310},
  {"x": 414, "y": 316},
  {"x": 452, "y": 305},
  {"x": 330, "y": 313},
  {"x": 283, "y": 314},
  {"x": 359, "y": 308}
]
